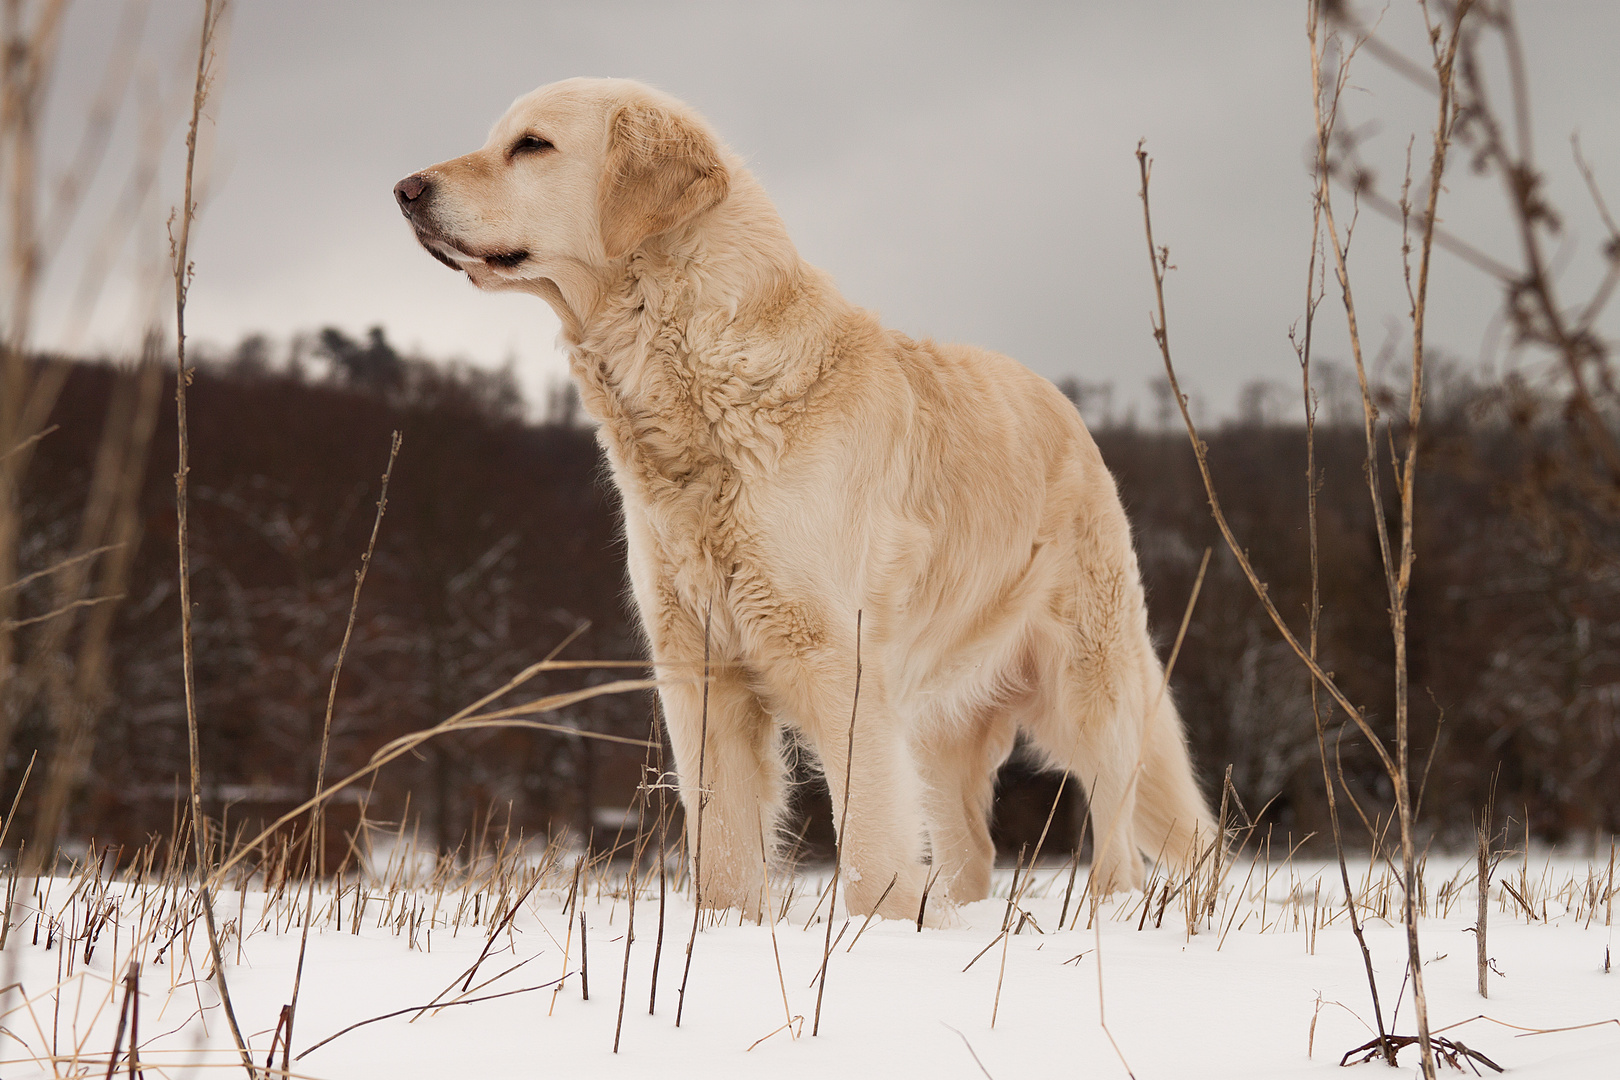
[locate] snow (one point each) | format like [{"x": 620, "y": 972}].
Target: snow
[{"x": 1257, "y": 992}]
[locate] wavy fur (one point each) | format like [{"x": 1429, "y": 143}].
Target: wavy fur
[{"x": 787, "y": 463}]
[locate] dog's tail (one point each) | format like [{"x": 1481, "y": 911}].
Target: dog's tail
[{"x": 1172, "y": 815}]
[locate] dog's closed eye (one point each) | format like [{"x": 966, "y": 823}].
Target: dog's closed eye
[{"x": 530, "y": 144}]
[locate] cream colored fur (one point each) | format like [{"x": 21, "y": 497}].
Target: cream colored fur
[{"x": 788, "y": 464}]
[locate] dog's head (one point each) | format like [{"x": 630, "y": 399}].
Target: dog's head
[{"x": 576, "y": 175}]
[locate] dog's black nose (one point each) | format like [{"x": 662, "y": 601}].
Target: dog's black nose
[{"x": 409, "y": 190}]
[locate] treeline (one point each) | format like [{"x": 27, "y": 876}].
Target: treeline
[
  {"x": 501, "y": 539},
  {"x": 1514, "y": 627}
]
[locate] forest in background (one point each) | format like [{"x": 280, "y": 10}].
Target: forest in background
[{"x": 501, "y": 539}]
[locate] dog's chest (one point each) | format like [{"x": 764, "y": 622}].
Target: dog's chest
[
  {"x": 694, "y": 431},
  {"x": 680, "y": 425},
  {"x": 693, "y": 514},
  {"x": 692, "y": 508}
]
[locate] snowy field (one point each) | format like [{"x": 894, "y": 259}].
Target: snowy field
[{"x": 1270, "y": 985}]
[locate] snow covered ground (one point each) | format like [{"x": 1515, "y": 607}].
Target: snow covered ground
[{"x": 1271, "y": 985}]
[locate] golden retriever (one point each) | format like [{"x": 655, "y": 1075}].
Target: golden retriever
[{"x": 790, "y": 471}]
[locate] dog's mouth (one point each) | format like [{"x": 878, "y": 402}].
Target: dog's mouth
[
  {"x": 507, "y": 260},
  {"x": 457, "y": 257}
]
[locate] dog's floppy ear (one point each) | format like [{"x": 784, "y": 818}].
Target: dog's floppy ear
[{"x": 662, "y": 170}]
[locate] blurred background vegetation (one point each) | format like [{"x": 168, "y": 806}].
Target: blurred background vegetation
[{"x": 501, "y": 539}]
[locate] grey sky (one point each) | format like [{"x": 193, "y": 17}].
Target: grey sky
[{"x": 966, "y": 170}]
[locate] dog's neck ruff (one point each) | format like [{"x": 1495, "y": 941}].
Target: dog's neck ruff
[{"x": 678, "y": 361}]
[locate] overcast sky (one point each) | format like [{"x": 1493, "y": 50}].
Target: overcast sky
[{"x": 966, "y": 170}]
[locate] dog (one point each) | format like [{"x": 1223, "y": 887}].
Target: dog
[{"x": 896, "y": 553}]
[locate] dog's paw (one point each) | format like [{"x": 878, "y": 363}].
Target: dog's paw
[{"x": 943, "y": 913}]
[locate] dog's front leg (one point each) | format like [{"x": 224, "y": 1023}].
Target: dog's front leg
[
  {"x": 870, "y": 762},
  {"x": 731, "y": 784}
]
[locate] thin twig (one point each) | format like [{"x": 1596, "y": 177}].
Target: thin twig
[
  {"x": 1324, "y": 135},
  {"x": 72, "y": 605},
  {"x": 459, "y": 722},
  {"x": 64, "y": 564},
  {"x": 970, "y": 1050},
  {"x": 1200, "y": 451},
  {"x": 1444, "y": 62},
  {"x": 316, "y": 827},
  {"x": 419, "y": 1008}
]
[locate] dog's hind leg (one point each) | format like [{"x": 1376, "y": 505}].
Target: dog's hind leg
[
  {"x": 958, "y": 767},
  {"x": 1092, "y": 728}
]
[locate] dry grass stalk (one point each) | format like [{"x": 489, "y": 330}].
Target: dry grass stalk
[
  {"x": 467, "y": 719},
  {"x": 26, "y": 399},
  {"x": 495, "y": 929},
  {"x": 703, "y": 798},
  {"x": 922, "y": 904},
  {"x": 1085, "y": 890},
  {"x": 485, "y": 891},
  {"x": 642, "y": 839},
  {"x": 128, "y": 1016},
  {"x": 110, "y": 527},
  {"x": 823, "y": 891},
  {"x": 584, "y": 962},
  {"x": 568, "y": 937},
  {"x": 1482, "y": 956},
  {"x": 1451, "y": 1051},
  {"x": 663, "y": 876},
  {"x": 1005, "y": 937},
  {"x": 887, "y": 889},
  {"x": 843, "y": 823},
  {"x": 183, "y": 269},
  {"x": 770, "y": 914},
  {"x": 1608, "y": 896},
  {"x": 74, "y": 691},
  {"x": 633, "y": 884},
  {"x": 1160, "y": 265}
]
